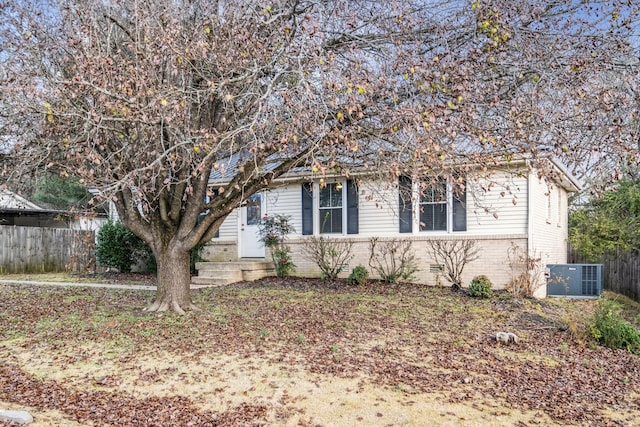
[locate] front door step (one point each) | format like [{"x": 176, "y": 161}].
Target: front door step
[{"x": 224, "y": 273}]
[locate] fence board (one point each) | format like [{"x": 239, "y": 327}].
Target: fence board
[
  {"x": 622, "y": 274},
  {"x": 40, "y": 249}
]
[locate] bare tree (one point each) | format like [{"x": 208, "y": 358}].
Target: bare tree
[
  {"x": 145, "y": 100},
  {"x": 454, "y": 255}
]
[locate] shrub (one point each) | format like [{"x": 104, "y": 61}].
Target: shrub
[
  {"x": 282, "y": 261},
  {"x": 273, "y": 232},
  {"x": 358, "y": 276},
  {"x": 117, "y": 247},
  {"x": 480, "y": 287},
  {"x": 454, "y": 255},
  {"x": 609, "y": 329},
  {"x": 195, "y": 255},
  {"x": 392, "y": 259},
  {"x": 526, "y": 271},
  {"x": 330, "y": 255}
]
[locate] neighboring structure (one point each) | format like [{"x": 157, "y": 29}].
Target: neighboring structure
[
  {"x": 33, "y": 239},
  {"x": 514, "y": 216},
  {"x": 16, "y": 210}
]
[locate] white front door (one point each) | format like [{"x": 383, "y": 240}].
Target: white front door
[{"x": 250, "y": 216}]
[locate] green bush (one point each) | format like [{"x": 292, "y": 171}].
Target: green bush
[
  {"x": 609, "y": 329},
  {"x": 273, "y": 233},
  {"x": 117, "y": 247},
  {"x": 195, "y": 255},
  {"x": 282, "y": 261},
  {"x": 480, "y": 287},
  {"x": 358, "y": 276}
]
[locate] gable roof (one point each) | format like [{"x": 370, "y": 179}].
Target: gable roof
[
  {"x": 10, "y": 200},
  {"x": 559, "y": 173}
]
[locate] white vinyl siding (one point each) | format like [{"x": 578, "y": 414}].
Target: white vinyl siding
[
  {"x": 548, "y": 238},
  {"x": 229, "y": 228},
  {"x": 286, "y": 200},
  {"x": 499, "y": 209},
  {"x": 491, "y": 211},
  {"x": 378, "y": 209}
]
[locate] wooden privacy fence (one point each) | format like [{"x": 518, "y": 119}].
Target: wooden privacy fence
[
  {"x": 621, "y": 273},
  {"x": 39, "y": 249}
]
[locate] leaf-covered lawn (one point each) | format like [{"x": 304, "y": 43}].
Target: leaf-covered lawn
[{"x": 306, "y": 352}]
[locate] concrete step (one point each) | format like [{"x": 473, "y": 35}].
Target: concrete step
[{"x": 223, "y": 273}]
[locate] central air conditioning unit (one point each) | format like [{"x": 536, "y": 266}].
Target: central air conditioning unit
[{"x": 574, "y": 280}]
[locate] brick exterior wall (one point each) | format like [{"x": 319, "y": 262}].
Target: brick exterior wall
[{"x": 493, "y": 260}]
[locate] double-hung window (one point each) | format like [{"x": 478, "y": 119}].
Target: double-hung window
[
  {"x": 431, "y": 206},
  {"x": 330, "y": 208}
]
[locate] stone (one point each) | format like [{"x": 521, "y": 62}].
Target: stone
[
  {"x": 16, "y": 417},
  {"x": 507, "y": 338}
]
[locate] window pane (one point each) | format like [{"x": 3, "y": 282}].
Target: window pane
[
  {"x": 434, "y": 193},
  {"x": 336, "y": 223},
  {"x": 336, "y": 195},
  {"x": 325, "y": 220},
  {"x": 330, "y": 220},
  {"x": 254, "y": 213},
  {"x": 426, "y": 218},
  {"x": 440, "y": 217},
  {"x": 331, "y": 196},
  {"x": 325, "y": 197},
  {"x": 433, "y": 217}
]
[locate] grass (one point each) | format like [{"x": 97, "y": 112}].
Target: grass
[
  {"x": 304, "y": 352},
  {"x": 66, "y": 277}
]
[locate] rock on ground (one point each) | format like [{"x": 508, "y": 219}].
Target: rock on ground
[{"x": 16, "y": 417}]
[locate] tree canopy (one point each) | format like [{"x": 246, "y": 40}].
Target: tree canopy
[
  {"x": 143, "y": 100},
  {"x": 607, "y": 223},
  {"x": 63, "y": 193}
]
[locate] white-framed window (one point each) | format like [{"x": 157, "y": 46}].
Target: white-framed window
[
  {"x": 431, "y": 206},
  {"x": 331, "y": 200},
  {"x": 330, "y": 207}
]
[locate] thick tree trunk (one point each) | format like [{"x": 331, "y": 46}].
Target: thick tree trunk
[{"x": 174, "y": 279}]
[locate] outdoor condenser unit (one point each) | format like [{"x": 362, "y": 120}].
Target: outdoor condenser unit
[{"x": 574, "y": 280}]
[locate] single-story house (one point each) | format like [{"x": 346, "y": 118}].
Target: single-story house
[{"x": 517, "y": 217}]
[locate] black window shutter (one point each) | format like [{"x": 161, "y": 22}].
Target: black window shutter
[
  {"x": 307, "y": 209},
  {"x": 404, "y": 205},
  {"x": 352, "y": 207},
  {"x": 460, "y": 210}
]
